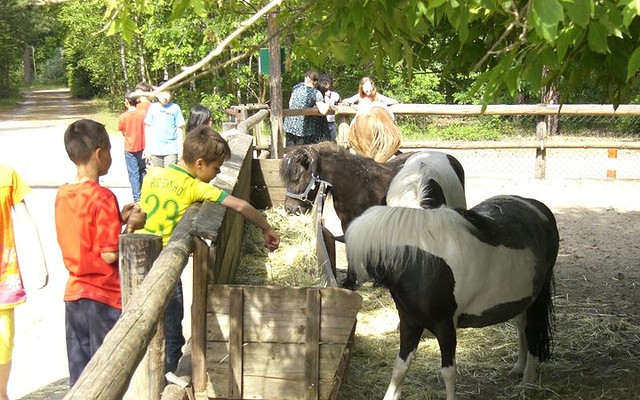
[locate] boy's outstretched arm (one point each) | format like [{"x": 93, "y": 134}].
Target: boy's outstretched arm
[
  {"x": 37, "y": 260},
  {"x": 133, "y": 216},
  {"x": 271, "y": 237}
]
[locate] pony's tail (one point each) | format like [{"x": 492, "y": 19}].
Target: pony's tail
[{"x": 541, "y": 322}]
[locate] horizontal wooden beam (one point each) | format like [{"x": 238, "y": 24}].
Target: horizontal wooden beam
[
  {"x": 523, "y": 144},
  {"x": 493, "y": 109}
]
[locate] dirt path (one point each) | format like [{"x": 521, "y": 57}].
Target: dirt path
[{"x": 31, "y": 139}]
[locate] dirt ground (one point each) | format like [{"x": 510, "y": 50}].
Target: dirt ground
[{"x": 597, "y": 273}]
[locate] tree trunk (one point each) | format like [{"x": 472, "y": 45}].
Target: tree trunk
[
  {"x": 123, "y": 61},
  {"x": 29, "y": 66},
  {"x": 275, "y": 82}
]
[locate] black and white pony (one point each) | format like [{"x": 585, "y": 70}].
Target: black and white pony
[{"x": 450, "y": 268}]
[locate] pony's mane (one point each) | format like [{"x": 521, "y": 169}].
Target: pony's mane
[
  {"x": 376, "y": 236},
  {"x": 307, "y": 155},
  {"x": 410, "y": 188},
  {"x": 375, "y": 134}
]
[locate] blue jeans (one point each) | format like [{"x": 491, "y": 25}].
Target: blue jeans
[
  {"x": 173, "y": 338},
  {"x": 137, "y": 169},
  {"x": 87, "y": 323}
]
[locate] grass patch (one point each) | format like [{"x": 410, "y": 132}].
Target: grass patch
[
  {"x": 9, "y": 103},
  {"x": 102, "y": 112}
]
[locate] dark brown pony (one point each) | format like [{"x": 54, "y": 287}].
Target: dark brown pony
[{"x": 357, "y": 182}]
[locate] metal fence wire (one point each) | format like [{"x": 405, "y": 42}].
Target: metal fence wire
[{"x": 581, "y": 153}]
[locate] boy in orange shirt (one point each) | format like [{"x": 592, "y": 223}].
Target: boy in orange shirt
[
  {"x": 131, "y": 124},
  {"x": 88, "y": 225}
]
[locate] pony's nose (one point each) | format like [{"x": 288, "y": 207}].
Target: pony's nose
[{"x": 292, "y": 210}]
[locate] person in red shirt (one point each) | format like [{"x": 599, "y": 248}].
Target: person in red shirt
[
  {"x": 131, "y": 124},
  {"x": 88, "y": 225}
]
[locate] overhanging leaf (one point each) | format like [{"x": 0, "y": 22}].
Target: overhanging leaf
[
  {"x": 597, "y": 38},
  {"x": 579, "y": 11},
  {"x": 634, "y": 63}
]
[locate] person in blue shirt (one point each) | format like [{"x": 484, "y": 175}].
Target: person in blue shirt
[{"x": 164, "y": 125}]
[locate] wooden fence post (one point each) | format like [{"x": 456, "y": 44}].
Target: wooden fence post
[
  {"x": 343, "y": 130},
  {"x": 199, "y": 318},
  {"x": 275, "y": 85},
  {"x": 137, "y": 254}
]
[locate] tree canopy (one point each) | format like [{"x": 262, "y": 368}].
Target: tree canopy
[{"x": 507, "y": 43}]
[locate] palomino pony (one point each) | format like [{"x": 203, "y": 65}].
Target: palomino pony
[
  {"x": 358, "y": 182},
  {"x": 374, "y": 133},
  {"x": 451, "y": 268}
]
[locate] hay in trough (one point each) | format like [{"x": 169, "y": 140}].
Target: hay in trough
[
  {"x": 293, "y": 264},
  {"x": 595, "y": 355}
]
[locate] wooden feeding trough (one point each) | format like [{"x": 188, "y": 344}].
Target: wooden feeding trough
[{"x": 268, "y": 342}]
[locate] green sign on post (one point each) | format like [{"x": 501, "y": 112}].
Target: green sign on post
[{"x": 263, "y": 65}]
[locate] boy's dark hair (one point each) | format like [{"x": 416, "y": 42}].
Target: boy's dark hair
[
  {"x": 131, "y": 98},
  {"x": 143, "y": 87},
  {"x": 83, "y": 137},
  {"x": 203, "y": 142}
]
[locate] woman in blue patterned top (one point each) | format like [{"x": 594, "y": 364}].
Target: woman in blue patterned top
[{"x": 307, "y": 129}]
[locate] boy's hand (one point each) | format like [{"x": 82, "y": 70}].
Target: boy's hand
[
  {"x": 271, "y": 239},
  {"x": 136, "y": 220},
  {"x": 126, "y": 211},
  {"x": 134, "y": 217}
]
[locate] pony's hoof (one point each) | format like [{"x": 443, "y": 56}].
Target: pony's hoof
[{"x": 347, "y": 284}]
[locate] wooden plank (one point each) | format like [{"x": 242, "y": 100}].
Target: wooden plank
[
  {"x": 342, "y": 372},
  {"x": 325, "y": 244},
  {"x": 199, "y": 316},
  {"x": 312, "y": 350},
  {"x": 235, "y": 343},
  {"x": 273, "y": 360},
  {"x": 266, "y": 172},
  {"x": 270, "y": 370},
  {"x": 266, "y": 322},
  {"x": 267, "y": 189}
]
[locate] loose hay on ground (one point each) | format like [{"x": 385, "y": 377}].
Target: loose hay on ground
[{"x": 595, "y": 355}]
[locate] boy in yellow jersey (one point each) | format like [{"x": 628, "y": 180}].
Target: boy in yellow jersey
[{"x": 165, "y": 196}]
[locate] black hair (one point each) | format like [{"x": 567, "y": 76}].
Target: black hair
[{"x": 199, "y": 116}]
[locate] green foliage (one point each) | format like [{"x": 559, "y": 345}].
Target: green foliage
[
  {"x": 217, "y": 103},
  {"x": 80, "y": 84},
  {"x": 422, "y": 88},
  {"x": 12, "y": 42},
  {"x": 464, "y": 129}
]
